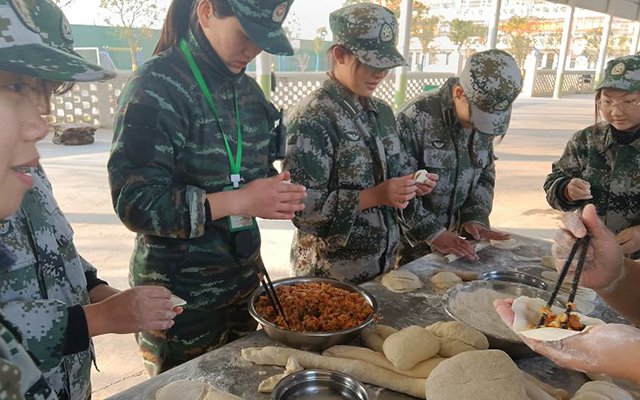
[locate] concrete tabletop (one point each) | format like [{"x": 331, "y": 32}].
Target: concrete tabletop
[{"x": 225, "y": 369}]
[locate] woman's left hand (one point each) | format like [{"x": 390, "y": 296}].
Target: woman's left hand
[
  {"x": 629, "y": 239},
  {"x": 611, "y": 349},
  {"x": 479, "y": 232}
]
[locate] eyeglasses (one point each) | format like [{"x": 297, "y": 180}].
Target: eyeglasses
[{"x": 607, "y": 105}]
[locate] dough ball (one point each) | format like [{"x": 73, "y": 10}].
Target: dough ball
[
  {"x": 509, "y": 244},
  {"x": 477, "y": 375},
  {"x": 443, "y": 281},
  {"x": 191, "y": 390},
  {"x": 547, "y": 261},
  {"x": 410, "y": 346},
  {"x": 601, "y": 390},
  {"x": 401, "y": 281},
  {"x": 456, "y": 337},
  {"x": 420, "y": 176}
]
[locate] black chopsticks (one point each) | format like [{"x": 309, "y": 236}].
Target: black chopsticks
[
  {"x": 262, "y": 273},
  {"x": 581, "y": 242}
]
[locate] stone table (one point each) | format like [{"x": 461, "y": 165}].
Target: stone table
[{"x": 225, "y": 369}]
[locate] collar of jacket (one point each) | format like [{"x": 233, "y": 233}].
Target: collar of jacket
[
  {"x": 613, "y": 132},
  {"x": 353, "y": 106},
  {"x": 7, "y": 259},
  {"x": 449, "y": 117},
  {"x": 209, "y": 62}
]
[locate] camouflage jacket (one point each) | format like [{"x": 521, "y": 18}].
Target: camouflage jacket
[
  {"x": 613, "y": 171},
  {"x": 20, "y": 377},
  {"x": 334, "y": 160},
  {"x": 463, "y": 159},
  {"x": 48, "y": 277},
  {"x": 168, "y": 153}
]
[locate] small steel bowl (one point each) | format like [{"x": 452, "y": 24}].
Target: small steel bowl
[
  {"x": 466, "y": 304},
  {"x": 515, "y": 277},
  {"x": 321, "y": 385},
  {"x": 312, "y": 341}
]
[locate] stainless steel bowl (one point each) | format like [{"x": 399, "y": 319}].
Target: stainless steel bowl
[
  {"x": 320, "y": 385},
  {"x": 515, "y": 277},
  {"x": 313, "y": 341},
  {"x": 472, "y": 304}
]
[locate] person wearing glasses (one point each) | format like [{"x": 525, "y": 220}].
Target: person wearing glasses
[
  {"x": 601, "y": 163},
  {"x": 343, "y": 146},
  {"x": 192, "y": 166},
  {"x": 450, "y": 131}
]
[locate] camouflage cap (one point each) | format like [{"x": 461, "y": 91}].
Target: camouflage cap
[
  {"x": 491, "y": 81},
  {"x": 35, "y": 39},
  {"x": 262, "y": 22},
  {"x": 622, "y": 73},
  {"x": 370, "y": 32}
]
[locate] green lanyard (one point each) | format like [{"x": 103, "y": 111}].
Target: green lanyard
[{"x": 234, "y": 164}]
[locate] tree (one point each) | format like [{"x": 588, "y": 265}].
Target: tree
[
  {"x": 63, "y": 3},
  {"x": 134, "y": 19},
  {"x": 618, "y": 45},
  {"x": 518, "y": 34},
  {"x": 461, "y": 33},
  {"x": 321, "y": 35}
]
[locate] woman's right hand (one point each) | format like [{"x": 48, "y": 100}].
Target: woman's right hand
[
  {"x": 578, "y": 189},
  {"x": 448, "y": 242},
  {"x": 272, "y": 198},
  {"x": 132, "y": 310},
  {"x": 396, "y": 192},
  {"x": 604, "y": 263}
]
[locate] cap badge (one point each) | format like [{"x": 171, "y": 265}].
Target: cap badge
[
  {"x": 66, "y": 30},
  {"x": 618, "y": 69},
  {"x": 22, "y": 9},
  {"x": 279, "y": 12},
  {"x": 386, "y": 33}
]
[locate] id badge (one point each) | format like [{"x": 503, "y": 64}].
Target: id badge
[{"x": 240, "y": 222}]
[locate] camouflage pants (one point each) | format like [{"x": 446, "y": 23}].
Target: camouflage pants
[
  {"x": 195, "y": 332},
  {"x": 407, "y": 253}
]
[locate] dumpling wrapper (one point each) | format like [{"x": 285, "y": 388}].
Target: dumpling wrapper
[
  {"x": 177, "y": 301},
  {"x": 420, "y": 176},
  {"x": 401, "y": 281},
  {"x": 527, "y": 314}
]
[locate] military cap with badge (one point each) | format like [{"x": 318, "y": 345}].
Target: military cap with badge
[
  {"x": 35, "y": 39},
  {"x": 491, "y": 80},
  {"x": 262, "y": 22},
  {"x": 622, "y": 73}
]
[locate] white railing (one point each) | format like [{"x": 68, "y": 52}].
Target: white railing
[{"x": 95, "y": 103}]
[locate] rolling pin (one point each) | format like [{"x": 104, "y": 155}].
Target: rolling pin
[{"x": 449, "y": 258}]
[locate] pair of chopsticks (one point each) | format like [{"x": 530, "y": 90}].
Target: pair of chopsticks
[
  {"x": 581, "y": 242},
  {"x": 262, "y": 273}
]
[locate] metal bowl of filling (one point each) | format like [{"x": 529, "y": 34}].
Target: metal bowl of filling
[
  {"x": 319, "y": 385},
  {"x": 472, "y": 304},
  {"x": 515, "y": 277},
  {"x": 297, "y": 309}
]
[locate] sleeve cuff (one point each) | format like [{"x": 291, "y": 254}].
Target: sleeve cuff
[
  {"x": 93, "y": 280},
  {"x": 77, "y": 334}
]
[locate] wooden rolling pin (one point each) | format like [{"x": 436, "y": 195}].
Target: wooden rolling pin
[{"x": 449, "y": 258}]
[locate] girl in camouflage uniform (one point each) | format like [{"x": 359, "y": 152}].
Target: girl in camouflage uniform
[
  {"x": 601, "y": 163},
  {"x": 344, "y": 148},
  {"x": 191, "y": 166},
  {"x": 51, "y": 295}
]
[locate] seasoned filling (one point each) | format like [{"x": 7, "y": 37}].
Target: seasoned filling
[
  {"x": 316, "y": 307},
  {"x": 556, "y": 320}
]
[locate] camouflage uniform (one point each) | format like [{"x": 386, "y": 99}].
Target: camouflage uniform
[
  {"x": 42, "y": 293},
  {"x": 168, "y": 153},
  {"x": 336, "y": 148},
  {"x": 48, "y": 277},
  {"x": 20, "y": 377},
  {"x": 594, "y": 155},
  {"x": 463, "y": 158}
]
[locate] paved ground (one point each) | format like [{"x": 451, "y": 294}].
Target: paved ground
[{"x": 539, "y": 131}]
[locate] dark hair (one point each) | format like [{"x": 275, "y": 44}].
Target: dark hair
[
  {"x": 181, "y": 14},
  {"x": 332, "y": 61}
]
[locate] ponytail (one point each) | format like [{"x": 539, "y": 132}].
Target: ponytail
[
  {"x": 176, "y": 24},
  {"x": 180, "y": 15}
]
